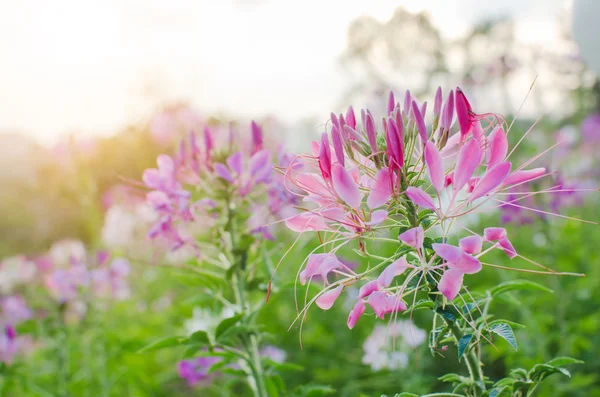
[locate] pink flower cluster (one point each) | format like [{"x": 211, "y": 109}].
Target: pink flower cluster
[
  {"x": 97, "y": 276},
  {"x": 207, "y": 174},
  {"x": 13, "y": 311},
  {"x": 416, "y": 178}
]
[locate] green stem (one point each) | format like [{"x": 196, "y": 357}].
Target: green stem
[
  {"x": 62, "y": 354},
  {"x": 250, "y": 344},
  {"x": 471, "y": 360}
]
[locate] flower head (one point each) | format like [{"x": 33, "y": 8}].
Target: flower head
[{"x": 412, "y": 178}]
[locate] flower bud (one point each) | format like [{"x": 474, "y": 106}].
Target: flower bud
[
  {"x": 338, "y": 145},
  {"x": 325, "y": 157},
  {"x": 371, "y": 133},
  {"x": 257, "y": 137},
  {"x": 350, "y": 118},
  {"x": 391, "y": 103},
  {"x": 463, "y": 113}
]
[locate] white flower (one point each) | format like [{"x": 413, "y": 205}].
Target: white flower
[
  {"x": 388, "y": 346},
  {"x": 63, "y": 252},
  {"x": 206, "y": 320}
]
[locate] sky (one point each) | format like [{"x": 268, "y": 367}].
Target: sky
[{"x": 90, "y": 67}]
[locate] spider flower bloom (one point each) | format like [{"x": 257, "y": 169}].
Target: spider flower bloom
[
  {"x": 411, "y": 178},
  {"x": 192, "y": 189}
]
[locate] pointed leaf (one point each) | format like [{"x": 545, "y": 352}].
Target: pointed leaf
[
  {"x": 518, "y": 285},
  {"x": 463, "y": 344},
  {"x": 227, "y": 323},
  {"x": 504, "y": 330}
]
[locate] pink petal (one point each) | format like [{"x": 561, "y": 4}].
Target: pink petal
[
  {"x": 524, "y": 176},
  {"x": 450, "y": 283},
  {"x": 223, "y": 172},
  {"x": 407, "y": 102},
  {"x": 368, "y": 289},
  {"x": 413, "y": 237},
  {"x": 382, "y": 303},
  {"x": 391, "y": 103},
  {"x": 396, "y": 268},
  {"x": 466, "y": 264},
  {"x": 420, "y": 198},
  {"x": 378, "y": 301},
  {"x": 471, "y": 245},
  {"x": 437, "y": 103},
  {"x": 338, "y": 145},
  {"x": 260, "y": 165},
  {"x": 325, "y": 157},
  {"x": 433, "y": 159},
  {"x": 306, "y": 221},
  {"x": 448, "y": 252},
  {"x": 353, "y": 134},
  {"x": 394, "y": 304},
  {"x": 345, "y": 186},
  {"x": 355, "y": 313},
  {"x": 319, "y": 264},
  {"x": 508, "y": 247},
  {"x": 462, "y": 112},
  {"x": 316, "y": 148},
  {"x": 448, "y": 112},
  {"x": 491, "y": 180},
  {"x": 234, "y": 162},
  {"x": 371, "y": 133},
  {"x": 165, "y": 164},
  {"x": 497, "y": 147},
  {"x": 419, "y": 122},
  {"x": 381, "y": 190},
  {"x": 350, "y": 118},
  {"x": 494, "y": 233},
  {"x": 468, "y": 159},
  {"x": 312, "y": 183},
  {"x": 377, "y": 217},
  {"x": 152, "y": 179},
  {"x": 327, "y": 299}
]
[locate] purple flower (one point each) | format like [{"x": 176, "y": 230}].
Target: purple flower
[
  {"x": 590, "y": 129},
  {"x": 196, "y": 370}
]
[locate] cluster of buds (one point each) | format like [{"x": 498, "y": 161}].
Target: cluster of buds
[
  {"x": 207, "y": 176},
  {"x": 416, "y": 180}
]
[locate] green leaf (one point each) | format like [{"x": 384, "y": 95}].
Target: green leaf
[
  {"x": 443, "y": 395},
  {"x": 283, "y": 367},
  {"x": 315, "y": 391},
  {"x": 452, "y": 378},
  {"x": 199, "y": 338},
  {"x": 511, "y": 323},
  {"x": 504, "y": 330},
  {"x": 518, "y": 285},
  {"x": 463, "y": 343},
  {"x": 501, "y": 392},
  {"x": 448, "y": 313},
  {"x": 162, "y": 343},
  {"x": 562, "y": 361},
  {"x": 405, "y": 395},
  {"x": 227, "y": 323},
  {"x": 422, "y": 304},
  {"x": 541, "y": 371}
]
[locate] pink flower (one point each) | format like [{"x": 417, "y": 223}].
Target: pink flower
[
  {"x": 320, "y": 264},
  {"x": 413, "y": 237}
]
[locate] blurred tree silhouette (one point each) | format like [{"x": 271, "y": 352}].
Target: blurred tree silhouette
[{"x": 409, "y": 51}]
